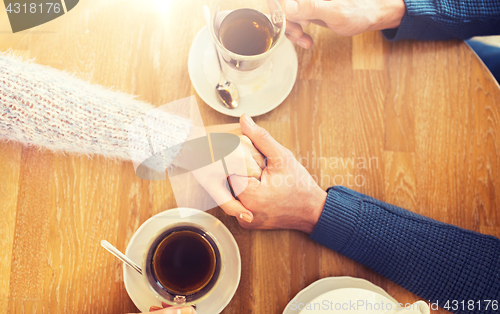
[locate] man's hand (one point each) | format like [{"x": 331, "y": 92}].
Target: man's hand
[
  {"x": 344, "y": 17},
  {"x": 286, "y": 197}
]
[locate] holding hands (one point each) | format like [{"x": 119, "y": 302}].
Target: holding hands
[{"x": 285, "y": 197}]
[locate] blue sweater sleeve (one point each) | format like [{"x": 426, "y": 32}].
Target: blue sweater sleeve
[
  {"x": 447, "y": 19},
  {"x": 434, "y": 260}
]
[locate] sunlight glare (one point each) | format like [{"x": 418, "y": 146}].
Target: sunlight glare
[{"x": 162, "y": 6}]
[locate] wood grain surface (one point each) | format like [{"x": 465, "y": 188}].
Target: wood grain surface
[{"x": 425, "y": 117}]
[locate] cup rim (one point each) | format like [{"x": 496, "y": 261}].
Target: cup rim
[
  {"x": 148, "y": 248},
  {"x": 238, "y": 56}
]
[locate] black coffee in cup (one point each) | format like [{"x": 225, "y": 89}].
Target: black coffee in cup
[
  {"x": 246, "y": 32},
  {"x": 184, "y": 262}
]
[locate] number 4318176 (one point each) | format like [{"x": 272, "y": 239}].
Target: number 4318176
[
  {"x": 47, "y": 7},
  {"x": 471, "y": 305}
]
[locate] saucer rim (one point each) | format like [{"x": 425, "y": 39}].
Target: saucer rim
[{"x": 338, "y": 282}]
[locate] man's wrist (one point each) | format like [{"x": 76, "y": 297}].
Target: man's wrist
[
  {"x": 313, "y": 213},
  {"x": 391, "y": 14}
]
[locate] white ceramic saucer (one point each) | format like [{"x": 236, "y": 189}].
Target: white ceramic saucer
[
  {"x": 256, "y": 99},
  {"x": 143, "y": 297},
  {"x": 327, "y": 285}
]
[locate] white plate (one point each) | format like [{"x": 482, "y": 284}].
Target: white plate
[
  {"x": 324, "y": 286},
  {"x": 350, "y": 301},
  {"x": 143, "y": 297},
  {"x": 254, "y": 100}
]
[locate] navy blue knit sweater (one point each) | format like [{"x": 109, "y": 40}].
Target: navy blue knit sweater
[
  {"x": 447, "y": 19},
  {"x": 434, "y": 260}
]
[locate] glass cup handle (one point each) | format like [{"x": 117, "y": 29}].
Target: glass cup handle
[
  {"x": 180, "y": 299},
  {"x": 277, "y": 17}
]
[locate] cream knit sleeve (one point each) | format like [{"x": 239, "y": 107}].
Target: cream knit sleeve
[{"x": 48, "y": 108}]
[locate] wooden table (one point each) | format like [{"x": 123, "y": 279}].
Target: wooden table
[{"x": 428, "y": 113}]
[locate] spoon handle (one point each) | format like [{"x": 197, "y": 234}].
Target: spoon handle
[{"x": 108, "y": 246}]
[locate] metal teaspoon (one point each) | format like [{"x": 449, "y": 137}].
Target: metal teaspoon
[{"x": 108, "y": 246}]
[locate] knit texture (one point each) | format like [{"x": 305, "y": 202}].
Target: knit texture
[
  {"x": 447, "y": 19},
  {"x": 434, "y": 260},
  {"x": 48, "y": 108}
]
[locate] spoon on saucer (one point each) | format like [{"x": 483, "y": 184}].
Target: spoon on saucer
[
  {"x": 226, "y": 91},
  {"x": 108, "y": 246}
]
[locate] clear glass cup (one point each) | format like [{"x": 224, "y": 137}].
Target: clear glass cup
[
  {"x": 163, "y": 293},
  {"x": 246, "y": 67}
]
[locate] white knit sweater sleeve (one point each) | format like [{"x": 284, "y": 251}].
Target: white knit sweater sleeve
[{"x": 48, "y": 108}]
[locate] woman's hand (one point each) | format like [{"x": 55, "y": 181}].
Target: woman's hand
[
  {"x": 246, "y": 160},
  {"x": 253, "y": 160},
  {"x": 344, "y": 17},
  {"x": 286, "y": 197},
  {"x": 168, "y": 309}
]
